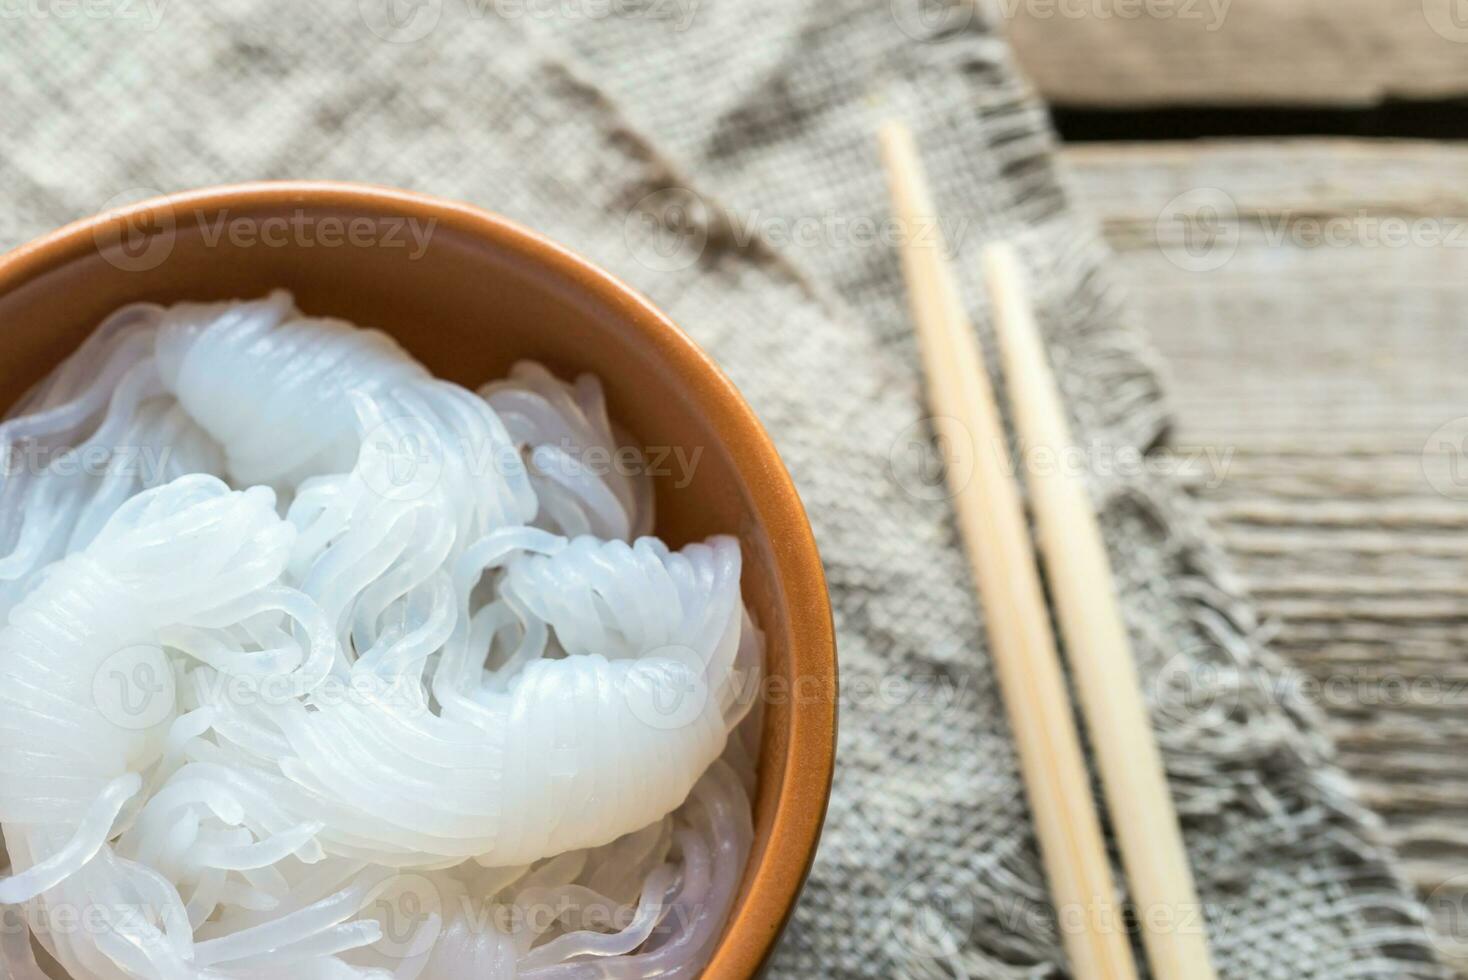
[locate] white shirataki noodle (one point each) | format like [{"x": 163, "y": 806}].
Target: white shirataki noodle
[{"x": 317, "y": 666}]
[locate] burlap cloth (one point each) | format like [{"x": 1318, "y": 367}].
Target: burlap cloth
[{"x": 721, "y": 157}]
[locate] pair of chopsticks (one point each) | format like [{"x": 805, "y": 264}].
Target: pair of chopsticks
[{"x": 991, "y": 518}]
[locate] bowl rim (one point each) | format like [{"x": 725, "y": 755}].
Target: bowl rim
[{"x": 750, "y": 936}]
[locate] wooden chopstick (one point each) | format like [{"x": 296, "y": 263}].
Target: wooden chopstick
[
  {"x": 995, "y": 537},
  {"x": 1096, "y": 644}
]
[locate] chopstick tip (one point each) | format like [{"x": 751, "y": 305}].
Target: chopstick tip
[
  {"x": 999, "y": 256},
  {"x": 894, "y": 137}
]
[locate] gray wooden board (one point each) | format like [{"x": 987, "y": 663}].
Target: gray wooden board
[
  {"x": 1310, "y": 300},
  {"x": 1151, "y": 52}
]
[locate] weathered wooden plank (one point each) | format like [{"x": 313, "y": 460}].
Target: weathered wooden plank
[
  {"x": 1303, "y": 52},
  {"x": 1312, "y": 378}
]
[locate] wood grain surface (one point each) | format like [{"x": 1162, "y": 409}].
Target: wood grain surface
[
  {"x": 1311, "y": 301},
  {"x": 1150, "y": 52}
]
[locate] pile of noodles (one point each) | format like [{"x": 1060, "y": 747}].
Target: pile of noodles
[{"x": 316, "y": 666}]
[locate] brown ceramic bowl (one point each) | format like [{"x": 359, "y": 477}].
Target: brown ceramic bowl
[{"x": 480, "y": 293}]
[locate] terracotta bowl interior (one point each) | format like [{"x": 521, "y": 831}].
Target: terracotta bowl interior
[{"x": 483, "y": 295}]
